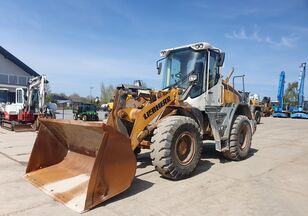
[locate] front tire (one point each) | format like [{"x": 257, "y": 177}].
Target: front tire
[
  {"x": 84, "y": 118},
  {"x": 240, "y": 139},
  {"x": 258, "y": 117},
  {"x": 176, "y": 147}
]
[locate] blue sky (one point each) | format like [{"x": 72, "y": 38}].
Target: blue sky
[{"x": 79, "y": 44}]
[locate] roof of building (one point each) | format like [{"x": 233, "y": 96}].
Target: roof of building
[{"x": 16, "y": 61}]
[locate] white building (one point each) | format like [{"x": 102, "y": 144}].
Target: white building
[{"x": 13, "y": 74}]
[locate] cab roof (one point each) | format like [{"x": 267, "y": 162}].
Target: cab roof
[{"x": 195, "y": 46}]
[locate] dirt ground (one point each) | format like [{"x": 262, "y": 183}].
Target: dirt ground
[{"x": 272, "y": 181}]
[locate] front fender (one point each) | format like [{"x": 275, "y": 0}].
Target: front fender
[{"x": 188, "y": 111}]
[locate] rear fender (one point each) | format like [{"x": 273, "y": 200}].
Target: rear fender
[{"x": 239, "y": 109}]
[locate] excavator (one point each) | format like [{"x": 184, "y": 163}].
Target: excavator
[
  {"x": 299, "y": 111},
  {"x": 83, "y": 164},
  {"x": 28, "y": 107}
]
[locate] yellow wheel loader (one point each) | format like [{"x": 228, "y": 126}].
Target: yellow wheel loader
[{"x": 84, "y": 164}]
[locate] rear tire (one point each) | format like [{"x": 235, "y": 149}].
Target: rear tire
[
  {"x": 75, "y": 117},
  {"x": 258, "y": 117},
  {"x": 176, "y": 147},
  {"x": 240, "y": 139}
]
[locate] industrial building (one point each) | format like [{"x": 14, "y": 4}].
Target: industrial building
[{"x": 13, "y": 74}]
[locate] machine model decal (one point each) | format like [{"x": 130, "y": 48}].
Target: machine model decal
[{"x": 156, "y": 108}]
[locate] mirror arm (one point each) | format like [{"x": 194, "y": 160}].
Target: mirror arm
[
  {"x": 158, "y": 65},
  {"x": 187, "y": 92}
]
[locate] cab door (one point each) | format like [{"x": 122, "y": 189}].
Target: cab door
[{"x": 214, "y": 85}]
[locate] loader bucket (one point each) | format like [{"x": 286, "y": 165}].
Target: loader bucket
[{"x": 80, "y": 164}]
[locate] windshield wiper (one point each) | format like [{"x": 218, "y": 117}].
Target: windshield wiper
[{"x": 182, "y": 80}]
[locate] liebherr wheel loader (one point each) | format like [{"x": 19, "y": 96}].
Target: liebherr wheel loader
[{"x": 83, "y": 164}]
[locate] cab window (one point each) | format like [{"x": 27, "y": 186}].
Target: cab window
[{"x": 213, "y": 70}]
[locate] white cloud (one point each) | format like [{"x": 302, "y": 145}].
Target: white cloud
[{"x": 283, "y": 42}]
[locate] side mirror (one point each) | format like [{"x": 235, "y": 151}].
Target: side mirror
[
  {"x": 158, "y": 67},
  {"x": 221, "y": 59},
  {"x": 193, "y": 78}
]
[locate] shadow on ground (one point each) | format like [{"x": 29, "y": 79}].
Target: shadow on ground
[
  {"x": 137, "y": 186},
  {"x": 203, "y": 166},
  {"x": 144, "y": 160},
  {"x": 210, "y": 152}
]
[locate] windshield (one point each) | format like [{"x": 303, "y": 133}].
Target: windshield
[
  {"x": 87, "y": 108},
  {"x": 34, "y": 103},
  {"x": 180, "y": 64}
]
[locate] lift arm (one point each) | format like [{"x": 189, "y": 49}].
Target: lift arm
[{"x": 37, "y": 83}]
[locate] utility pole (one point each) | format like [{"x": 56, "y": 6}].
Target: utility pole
[{"x": 91, "y": 87}]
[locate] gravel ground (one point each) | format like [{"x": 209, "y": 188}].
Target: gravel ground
[{"x": 272, "y": 181}]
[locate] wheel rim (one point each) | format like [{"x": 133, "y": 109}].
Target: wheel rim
[
  {"x": 185, "y": 146},
  {"x": 243, "y": 136}
]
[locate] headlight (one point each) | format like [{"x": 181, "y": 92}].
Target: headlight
[{"x": 198, "y": 46}]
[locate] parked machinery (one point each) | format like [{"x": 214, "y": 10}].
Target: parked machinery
[
  {"x": 84, "y": 164},
  {"x": 266, "y": 105},
  {"x": 28, "y": 106},
  {"x": 278, "y": 110},
  {"x": 85, "y": 112},
  {"x": 260, "y": 108},
  {"x": 3, "y": 101},
  {"x": 107, "y": 107},
  {"x": 298, "y": 111},
  {"x": 2, "y": 105},
  {"x": 255, "y": 107}
]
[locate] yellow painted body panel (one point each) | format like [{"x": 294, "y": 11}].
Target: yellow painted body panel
[
  {"x": 110, "y": 105},
  {"x": 230, "y": 95},
  {"x": 144, "y": 117}
]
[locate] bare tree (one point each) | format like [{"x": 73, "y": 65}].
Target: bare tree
[
  {"x": 107, "y": 93},
  {"x": 48, "y": 93},
  {"x": 290, "y": 96}
]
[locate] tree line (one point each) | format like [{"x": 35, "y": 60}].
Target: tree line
[{"x": 106, "y": 94}]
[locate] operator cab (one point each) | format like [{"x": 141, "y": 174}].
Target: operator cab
[
  {"x": 201, "y": 60},
  {"x": 34, "y": 101}
]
